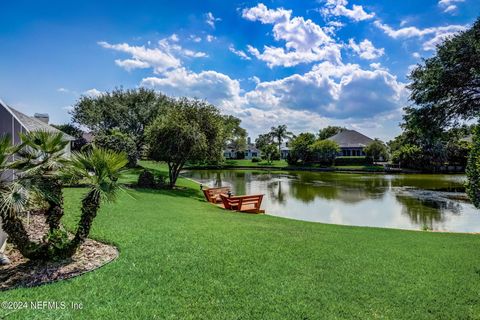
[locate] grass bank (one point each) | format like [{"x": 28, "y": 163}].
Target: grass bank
[{"x": 182, "y": 258}]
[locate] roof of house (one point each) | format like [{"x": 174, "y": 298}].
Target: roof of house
[
  {"x": 32, "y": 124},
  {"x": 351, "y": 139}
]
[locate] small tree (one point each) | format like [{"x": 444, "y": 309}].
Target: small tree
[
  {"x": 473, "y": 170},
  {"x": 280, "y": 133},
  {"x": 329, "y": 131},
  {"x": 326, "y": 150},
  {"x": 269, "y": 152},
  {"x": 300, "y": 147},
  {"x": 376, "y": 150},
  {"x": 119, "y": 142},
  {"x": 190, "y": 130},
  {"x": 407, "y": 156}
]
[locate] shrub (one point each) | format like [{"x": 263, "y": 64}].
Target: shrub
[
  {"x": 256, "y": 159},
  {"x": 146, "y": 179},
  {"x": 473, "y": 170}
]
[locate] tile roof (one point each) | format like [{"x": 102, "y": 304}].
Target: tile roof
[
  {"x": 32, "y": 124},
  {"x": 351, "y": 139}
]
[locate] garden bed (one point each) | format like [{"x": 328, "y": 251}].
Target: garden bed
[{"x": 25, "y": 273}]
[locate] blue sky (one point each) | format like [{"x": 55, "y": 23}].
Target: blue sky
[{"x": 307, "y": 64}]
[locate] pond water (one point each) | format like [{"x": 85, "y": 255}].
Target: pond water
[{"x": 403, "y": 201}]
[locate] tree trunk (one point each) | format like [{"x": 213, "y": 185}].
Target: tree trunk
[
  {"x": 90, "y": 205},
  {"x": 55, "y": 205},
  {"x": 17, "y": 235},
  {"x": 174, "y": 172}
]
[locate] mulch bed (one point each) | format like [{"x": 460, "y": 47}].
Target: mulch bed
[{"x": 25, "y": 273}]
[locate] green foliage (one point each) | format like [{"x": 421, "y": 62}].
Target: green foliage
[
  {"x": 377, "y": 150},
  {"x": 129, "y": 111},
  {"x": 446, "y": 85},
  {"x": 325, "y": 150},
  {"x": 119, "y": 142},
  {"x": 270, "y": 152},
  {"x": 73, "y": 131},
  {"x": 300, "y": 148},
  {"x": 280, "y": 133},
  {"x": 263, "y": 140},
  {"x": 407, "y": 156},
  {"x": 457, "y": 152},
  {"x": 473, "y": 170},
  {"x": 235, "y": 135},
  {"x": 256, "y": 159},
  {"x": 190, "y": 130},
  {"x": 329, "y": 131}
]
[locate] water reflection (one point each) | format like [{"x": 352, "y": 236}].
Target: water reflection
[{"x": 396, "y": 201}]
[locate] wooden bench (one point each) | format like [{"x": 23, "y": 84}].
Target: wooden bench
[
  {"x": 213, "y": 194},
  {"x": 249, "y": 203}
]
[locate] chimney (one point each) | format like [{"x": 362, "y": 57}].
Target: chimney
[
  {"x": 42, "y": 117},
  {"x": 249, "y": 140}
]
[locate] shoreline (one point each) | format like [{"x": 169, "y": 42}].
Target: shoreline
[{"x": 312, "y": 169}]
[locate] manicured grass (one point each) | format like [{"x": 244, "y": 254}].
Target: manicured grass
[{"x": 182, "y": 258}]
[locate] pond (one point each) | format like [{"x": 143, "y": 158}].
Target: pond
[{"x": 403, "y": 201}]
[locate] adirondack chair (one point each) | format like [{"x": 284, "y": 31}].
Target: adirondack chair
[
  {"x": 213, "y": 194},
  {"x": 247, "y": 203}
]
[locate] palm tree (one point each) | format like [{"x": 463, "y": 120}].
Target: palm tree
[
  {"x": 41, "y": 157},
  {"x": 279, "y": 133},
  {"x": 100, "y": 169},
  {"x": 14, "y": 197}
]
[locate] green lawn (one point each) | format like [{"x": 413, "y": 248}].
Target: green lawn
[
  {"x": 249, "y": 163},
  {"x": 182, "y": 258}
]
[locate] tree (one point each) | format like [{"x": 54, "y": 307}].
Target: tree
[
  {"x": 376, "y": 150},
  {"x": 300, "y": 147},
  {"x": 190, "y": 130},
  {"x": 473, "y": 170},
  {"x": 41, "y": 157},
  {"x": 329, "y": 131},
  {"x": 73, "y": 131},
  {"x": 447, "y": 85},
  {"x": 120, "y": 142},
  {"x": 407, "y": 156},
  {"x": 280, "y": 133},
  {"x": 235, "y": 135},
  {"x": 263, "y": 140},
  {"x": 269, "y": 151},
  {"x": 130, "y": 111},
  {"x": 100, "y": 170},
  {"x": 326, "y": 150}
]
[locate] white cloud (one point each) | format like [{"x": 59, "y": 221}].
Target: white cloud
[
  {"x": 210, "y": 19},
  {"x": 449, "y": 6},
  {"x": 131, "y": 64},
  {"x": 162, "y": 58},
  {"x": 213, "y": 86},
  {"x": 305, "y": 41},
  {"x": 157, "y": 58},
  {"x": 239, "y": 53},
  {"x": 210, "y": 38},
  {"x": 337, "y": 91},
  {"x": 339, "y": 8},
  {"x": 195, "y": 38},
  {"x": 63, "y": 90},
  {"x": 93, "y": 93},
  {"x": 438, "y": 34},
  {"x": 366, "y": 49}
]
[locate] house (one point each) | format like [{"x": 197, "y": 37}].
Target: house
[
  {"x": 250, "y": 152},
  {"x": 13, "y": 122},
  {"x": 284, "y": 150},
  {"x": 351, "y": 142}
]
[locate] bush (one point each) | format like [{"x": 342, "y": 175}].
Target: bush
[
  {"x": 353, "y": 161},
  {"x": 146, "y": 179},
  {"x": 256, "y": 159},
  {"x": 473, "y": 170}
]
